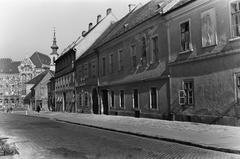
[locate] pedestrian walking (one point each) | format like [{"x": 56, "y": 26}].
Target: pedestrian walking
[
  {"x": 38, "y": 109},
  {"x": 11, "y": 109}
]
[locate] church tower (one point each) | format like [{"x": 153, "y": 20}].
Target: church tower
[{"x": 54, "y": 54}]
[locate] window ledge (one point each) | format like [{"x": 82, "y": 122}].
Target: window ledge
[
  {"x": 154, "y": 109},
  {"x": 234, "y": 39},
  {"x": 187, "y": 51}
]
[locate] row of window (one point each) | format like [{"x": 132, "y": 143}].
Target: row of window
[
  {"x": 135, "y": 98},
  {"x": 154, "y": 55},
  {"x": 18, "y": 92},
  {"x": 27, "y": 69},
  {"x": 26, "y": 77},
  {"x": 9, "y": 78},
  {"x": 89, "y": 68},
  {"x": 208, "y": 22},
  {"x": 9, "y": 86},
  {"x": 9, "y": 101},
  {"x": 66, "y": 61},
  {"x": 65, "y": 81},
  {"x": 84, "y": 99}
]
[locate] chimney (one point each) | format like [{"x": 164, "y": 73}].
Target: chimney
[
  {"x": 109, "y": 10},
  {"x": 130, "y": 7},
  {"x": 98, "y": 18},
  {"x": 83, "y": 33},
  {"x": 90, "y": 26}
]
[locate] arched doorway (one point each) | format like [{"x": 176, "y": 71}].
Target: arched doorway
[{"x": 95, "y": 101}]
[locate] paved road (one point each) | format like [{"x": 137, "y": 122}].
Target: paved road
[{"x": 42, "y": 138}]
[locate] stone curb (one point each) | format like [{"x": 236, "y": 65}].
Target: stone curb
[{"x": 144, "y": 135}]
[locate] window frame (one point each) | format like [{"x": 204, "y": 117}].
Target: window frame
[
  {"x": 154, "y": 58},
  {"x": 188, "y": 90},
  {"x": 111, "y": 63},
  {"x": 230, "y": 20},
  {"x": 112, "y": 99},
  {"x": 190, "y": 37},
  {"x": 80, "y": 73},
  {"x": 103, "y": 66},
  {"x": 85, "y": 70},
  {"x": 120, "y": 60},
  {"x": 80, "y": 100},
  {"x": 121, "y": 100},
  {"x": 133, "y": 98},
  {"x": 150, "y": 96},
  {"x": 93, "y": 68},
  {"x": 133, "y": 54}
]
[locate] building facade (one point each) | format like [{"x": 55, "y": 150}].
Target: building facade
[
  {"x": 10, "y": 88},
  {"x": 31, "y": 67},
  {"x": 51, "y": 94},
  {"x": 38, "y": 95},
  {"x": 204, "y": 61},
  {"x": 133, "y": 72},
  {"x": 86, "y": 65},
  {"x": 65, "y": 81}
]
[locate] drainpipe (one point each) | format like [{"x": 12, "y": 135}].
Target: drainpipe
[
  {"x": 74, "y": 83},
  {"x": 169, "y": 99},
  {"x": 98, "y": 83}
]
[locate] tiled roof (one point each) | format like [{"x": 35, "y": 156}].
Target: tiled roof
[
  {"x": 38, "y": 78},
  {"x": 99, "y": 40},
  {"x": 40, "y": 59},
  {"x": 106, "y": 34},
  {"x": 140, "y": 15},
  {"x": 9, "y": 66}
]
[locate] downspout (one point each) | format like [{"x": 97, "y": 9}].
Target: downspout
[
  {"x": 74, "y": 84},
  {"x": 98, "y": 83}
]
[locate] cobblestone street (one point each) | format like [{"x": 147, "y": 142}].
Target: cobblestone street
[{"x": 44, "y": 138}]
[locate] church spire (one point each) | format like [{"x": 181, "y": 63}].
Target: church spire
[{"x": 54, "y": 46}]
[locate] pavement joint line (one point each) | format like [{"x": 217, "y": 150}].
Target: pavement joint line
[{"x": 226, "y": 150}]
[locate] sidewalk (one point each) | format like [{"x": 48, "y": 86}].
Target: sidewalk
[{"x": 214, "y": 137}]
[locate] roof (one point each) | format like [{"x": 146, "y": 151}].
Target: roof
[
  {"x": 40, "y": 59},
  {"x": 142, "y": 14},
  {"x": 38, "y": 78},
  {"x": 105, "y": 34},
  {"x": 99, "y": 40},
  {"x": 91, "y": 36},
  {"x": 28, "y": 96},
  {"x": 9, "y": 66}
]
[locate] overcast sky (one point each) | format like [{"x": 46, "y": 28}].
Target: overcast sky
[{"x": 27, "y": 26}]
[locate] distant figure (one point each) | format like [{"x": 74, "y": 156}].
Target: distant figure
[
  {"x": 11, "y": 109},
  {"x": 38, "y": 109}
]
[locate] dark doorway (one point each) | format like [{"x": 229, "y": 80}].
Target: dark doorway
[
  {"x": 95, "y": 101},
  {"x": 64, "y": 102},
  {"x": 105, "y": 101}
]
